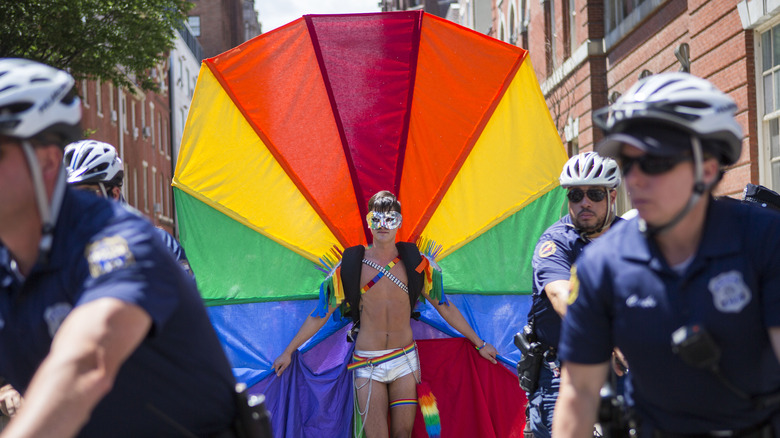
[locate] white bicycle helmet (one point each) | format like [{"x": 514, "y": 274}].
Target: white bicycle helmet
[
  {"x": 92, "y": 162},
  {"x": 36, "y": 99},
  {"x": 590, "y": 169},
  {"x": 682, "y": 101}
]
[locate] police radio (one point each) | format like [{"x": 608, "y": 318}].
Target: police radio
[{"x": 695, "y": 347}]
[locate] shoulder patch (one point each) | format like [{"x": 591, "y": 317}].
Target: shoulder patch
[
  {"x": 108, "y": 254},
  {"x": 547, "y": 249},
  {"x": 574, "y": 287}
]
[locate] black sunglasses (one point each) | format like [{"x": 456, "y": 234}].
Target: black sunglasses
[
  {"x": 650, "y": 164},
  {"x": 595, "y": 195}
]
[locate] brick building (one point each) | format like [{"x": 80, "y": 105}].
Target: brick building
[
  {"x": 223, "y": 24},
  {"x": 587, "y": 52},
  {"x": 138, "y": 125},
  {"x": 146, "y": 127}
]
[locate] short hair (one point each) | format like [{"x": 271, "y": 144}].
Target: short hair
[{"x": 384, "y": 201}]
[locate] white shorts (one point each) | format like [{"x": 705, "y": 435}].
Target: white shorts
[{"x": 389, "y": 370}]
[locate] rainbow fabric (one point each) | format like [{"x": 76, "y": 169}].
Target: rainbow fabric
[{"x": 288, "y": 137}]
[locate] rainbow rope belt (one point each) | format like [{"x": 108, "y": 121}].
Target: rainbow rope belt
[{"x": 359, "y": 361}]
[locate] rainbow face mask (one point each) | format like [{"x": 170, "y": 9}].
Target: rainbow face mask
[{"x": 390, "y": 220}]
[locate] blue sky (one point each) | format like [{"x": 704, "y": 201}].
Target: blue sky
[{"x": 275, "y": 13}]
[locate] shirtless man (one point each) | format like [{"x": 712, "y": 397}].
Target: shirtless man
[{"x": 383, "y": 311}]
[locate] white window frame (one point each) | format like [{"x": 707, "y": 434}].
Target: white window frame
[
  {"x": 151, "y": 122},
  {"x": 765, "y": 159},
  {"x": 85, "y": 93},
  {"x": 99, "y": 98},
  {"x": 146, "y": 187}
]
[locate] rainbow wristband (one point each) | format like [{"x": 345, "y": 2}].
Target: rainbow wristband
[{"x": 484, "y": 342}]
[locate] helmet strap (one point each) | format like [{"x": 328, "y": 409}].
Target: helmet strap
[
  {"x": 699, "y": 188},
  {"x": 103, "y": 189},
  {"x": 48, "y": 210}
]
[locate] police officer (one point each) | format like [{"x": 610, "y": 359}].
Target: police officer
[
  {"x": 99, "y": 329},
  {"x": 689, "y": 290},
  {"x": 591, "y": 182},
  {"x": 96, "y": 167}
]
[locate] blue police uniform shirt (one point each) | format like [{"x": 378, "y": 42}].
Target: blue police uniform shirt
[
  {"x": 179, "y": 373},
  {"x": 175, "y": 248},
  {"x": 555, "y": 253},
  {"x": 627, "y": 296}
]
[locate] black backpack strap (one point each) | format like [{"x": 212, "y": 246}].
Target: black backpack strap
[
  {"x": 412, "y": 258},
  {"x": 351, "y": 264}
]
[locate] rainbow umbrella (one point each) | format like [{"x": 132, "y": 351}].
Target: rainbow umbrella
[{"x": 288, "y": 136}]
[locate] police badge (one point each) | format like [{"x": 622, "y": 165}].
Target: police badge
[{"x": 730, "y": 294}]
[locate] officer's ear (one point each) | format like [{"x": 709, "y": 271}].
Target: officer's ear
[
  {"x": 114, "y": 192},
  {"x": 711, "y": 170},
  {"x": 50, "y": 161}
]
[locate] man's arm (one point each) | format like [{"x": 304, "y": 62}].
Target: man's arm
[
  {"x": 86, "y": 354},
  {"x": 310, "y": 326},
  {"x": 578, "y": 400},
  {"x": 452, "y": 315},
  {"x": 558, "y": 293}
]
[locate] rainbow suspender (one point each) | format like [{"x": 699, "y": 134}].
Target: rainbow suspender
[{"x": 383, "y": 272}]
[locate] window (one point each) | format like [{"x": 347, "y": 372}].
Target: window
[
  {"x": 615, "y": 11},
  {"x": 770, "y": 86},
  {"x": 85, "y": 93},
  {"x": 566, "y": 17},
  {"x": 194, "y": 22},
  {"x": 146, "y": 186},
  {"x": 166, "y": 147},
  {"x": 151, "y": 122},
  {"x": 143, "y": 116},
  {"x": 159, "y": 132},
  {"x": 111, "y": 107},
  {"x": 123, "y": 110},
  {"x": 513, "y": 33},
  {"x": 569, "y": 27},
  {"x": 99, "y": 98},
  {"x": 133, "y": 119},
  {"x": 549, "y": 36},
  {"x": 154, "y": 191},
  {"x": 135, "y": 188}
]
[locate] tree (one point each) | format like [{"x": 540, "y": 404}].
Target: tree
[{"x": 109, "y": 40}]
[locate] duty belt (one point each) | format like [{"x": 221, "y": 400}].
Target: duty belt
[{"x": 763, "y": 430}]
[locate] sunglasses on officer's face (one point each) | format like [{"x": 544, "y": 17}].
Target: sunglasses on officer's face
[
  {"x": 595, "y": 195},
  {"x": 650, "y": 164}
]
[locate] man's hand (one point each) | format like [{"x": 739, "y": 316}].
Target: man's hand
[
  {"x": 282, "y": 362},
  {"x": 488, "y": 352},
  {"x": 619, "y": 363},
  {"x": 10, "y": 400}
]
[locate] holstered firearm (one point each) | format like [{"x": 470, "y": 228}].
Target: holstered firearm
[{"x": 531, "y": 361}]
